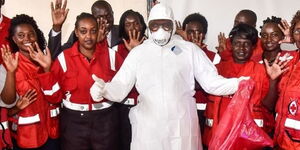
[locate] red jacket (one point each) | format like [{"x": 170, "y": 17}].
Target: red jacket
[
  {"x": 4, "y": 26},
  {"x": 6, "y": 142},
  {"x": 33, "y": 121},
  {"x": 256, "y": 55},
  {"x": 218, "y": 104},
  {"x": 75, "y": 83},
  {"x": 287, "y": 130}
]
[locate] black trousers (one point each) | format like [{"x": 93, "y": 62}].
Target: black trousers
[
  {"x": 125, "y": 126},
  {"x": 51, "y": 144},
  {"x": 89, "y": 130}
]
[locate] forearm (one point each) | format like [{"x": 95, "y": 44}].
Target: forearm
[
  {"x": 116, "y": 91},
  {"x": 270, "y": 99},
  {"x": 220, "y": 86},
  {"x": 8, "y": 94}
]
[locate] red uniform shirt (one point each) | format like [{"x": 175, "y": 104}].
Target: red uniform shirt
[
  {"x": 77, "y": 80},
  {"x": 211, "y": 55},
  {"x": 256, "y": 55},
  {"x": 5, "y": 141},
  {"x": 218, "y": 104},
  {"x": 287, "y": 130},
  {"x": 33, "y": 134},
  {"x": 4, "y": 26}
]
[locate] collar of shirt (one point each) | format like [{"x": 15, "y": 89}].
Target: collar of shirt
[
  {"x": 76, "y": 52},
  {"x": 1, "y": 18},
  {"x": 108, "y": 38}
]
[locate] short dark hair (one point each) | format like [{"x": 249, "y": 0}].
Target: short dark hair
[
  {"x": 244, "y": 30},
  {"x": 294, "y": 21},
  {"x": 24, "y": 19},
  {"x": 251, "y": 15},
  {"x": 196, "y": 17},
  {"x": 82, "y": 16},
  {"x": 122, "y": 32},
  {"x": 100, "y": 3},
  {"x": 273, "y": 19},
  {"x": 2, "y": 2}
]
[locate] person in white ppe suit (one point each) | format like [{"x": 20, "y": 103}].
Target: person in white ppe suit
[{"x": 164, "y": 69}]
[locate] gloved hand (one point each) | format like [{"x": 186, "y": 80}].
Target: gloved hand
[
  {"x": 97, "y": 89},
  {"x": 243, "y": 78}
]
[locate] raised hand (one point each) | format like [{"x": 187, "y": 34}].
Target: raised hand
[
  {"x": 9, "y": 60},
  {"x": 197, "y": 39},
  {"x": 154, "y": 2},
  {"x": 102, "y": 29},
  {"x": 222, "y": 42},
  {"x": 44, "y": 59},
  {"x": 25, "y": 100},
  {"x": 180, "y": 31},
  {"x": 285, "y": 28},
  {"x": 59, "y": 14},
  {"x": 277, "y": 68},
  {"x": 134, "y": 40}
]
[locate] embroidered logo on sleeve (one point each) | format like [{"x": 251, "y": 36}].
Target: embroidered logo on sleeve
[{"x": 293, "y": 107}]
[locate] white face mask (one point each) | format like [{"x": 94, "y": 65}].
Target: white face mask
[{"x": 161, "y": 37}]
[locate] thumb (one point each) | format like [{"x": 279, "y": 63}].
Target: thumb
[
  {"x": 266, "y": 63},
  {"x": 126, "y": 44},
  {"x": 96, "y": 79},
  {"x": 48, "y": 51},
  {"x": 17, "y": 56}
]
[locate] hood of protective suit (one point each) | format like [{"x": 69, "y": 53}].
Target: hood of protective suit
[{"x": 161, "y": 11}]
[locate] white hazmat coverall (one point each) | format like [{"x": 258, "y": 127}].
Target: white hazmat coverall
[{"x": 166, "y": 117}]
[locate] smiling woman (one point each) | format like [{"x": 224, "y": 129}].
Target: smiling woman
[
  {"x": 35, "y": 126},
  {"x": 24, "y": 32}
]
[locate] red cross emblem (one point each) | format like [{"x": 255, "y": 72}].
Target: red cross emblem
[{"x": 293, "y": 107}]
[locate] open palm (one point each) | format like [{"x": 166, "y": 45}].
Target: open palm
[
  {"x": 9, "y": 60},
  {"x": 25, "y": 100},
  {"x": 134, "y": 40},
  {"x": 59, "y": 14},
  {"x": 44, "y": 59},
  {"x": 277, "y": 68}
]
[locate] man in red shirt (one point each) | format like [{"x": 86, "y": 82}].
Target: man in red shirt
[
  {"x": 194, "y": 29},
  {"x": 245, "y": 16}
]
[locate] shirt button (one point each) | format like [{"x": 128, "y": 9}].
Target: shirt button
[{"x": 81, "y": 114}]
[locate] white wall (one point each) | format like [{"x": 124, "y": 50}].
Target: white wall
[
  {"x": 220, "y": 13},
  {"x": 40, "y": 10}
]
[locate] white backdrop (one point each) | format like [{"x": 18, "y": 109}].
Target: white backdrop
[
  {"x": 40, "y": 10},
  {"x": 220, "y": 13}
]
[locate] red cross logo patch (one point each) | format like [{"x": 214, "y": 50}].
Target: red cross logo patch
[{"x": 293, "y": 107}]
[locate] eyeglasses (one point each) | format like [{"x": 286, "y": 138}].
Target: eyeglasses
[
  {"x": 154, "y": 26},
  {"x": 296, "y": 32}
]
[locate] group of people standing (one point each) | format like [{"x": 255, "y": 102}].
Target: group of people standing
[{"x": 111, "y": 87}]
